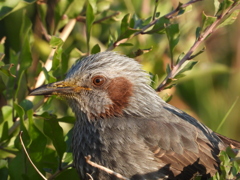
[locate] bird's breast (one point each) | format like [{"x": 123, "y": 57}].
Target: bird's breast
[{"x": 116, "y": 146}]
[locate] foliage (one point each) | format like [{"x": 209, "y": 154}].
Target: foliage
[
  {"x": 40, "y": 40},
  {"x": 229, "y": 165}
]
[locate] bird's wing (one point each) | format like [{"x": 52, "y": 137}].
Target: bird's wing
[{"x": 185, "y": 148}]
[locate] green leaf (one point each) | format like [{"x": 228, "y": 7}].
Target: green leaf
[
  {"x": 127, "y": 33},
  {"x": 127, "y": 27},
  {"x": 230, "y": 152},
  {"x": 26, "y": 105},
  {"x": 125, "y": 23},
  {"x": 6, "y": 69},
  {"x": 126, "y": 44},
  {"x": 4, "y": 169},
  {"x": 51, "y": 160},
  {"x": 19, "y": 110},
  {"x": 17, "y": 163},
  {"x": 198, "y": 32},
  {"x": 38, "y": 140},
  {"x": 170, "y": 86},
  {"x": 160, "y": 26},
  {"x": 75, "y": 7},
  {"x": 230, "y": 19},
  {"x": 112, "y": 37},
  {"x": 25, "y": 34},
  {"x": 25, "y": 135},
  {"x": 56, "y": 42},
  {"x": 154, "y": 80},
  {"x": 1, "y": 56},
  {"x": 7, "y": 114},
  {"x": 224, "y": 5},
  {"x": 4, "y": 135},
  {"x": 89, "y": 22},
  {"x": 216, "y": 6},
  {"x": 38, "y": 143},
  {"x": 167, "y": 97},
  {"x": 180, "y": 57},
  {"x": 67, "y": 119},
  {"x": 96, "y": 49},
  {"x": 68, "y": 173},
  {"x": 48, "y": 75},
  {"x": 103, "y": 6},
  {"x": 21, "y": 169},
  {"x": 197, "y": 53},
  {"x": 207, "y": 21},
  {"x": 7, "y": 6},
  {"x": 42, "y": 12},
  {"x": 172, "y": 32},
  {"x": 170, "y": 83},
  {"x": 235, "y": 168},
  {"x": 139, "y": 23},
  {"x": 67, "y": 158},
  {"x": 54, "y": 131},
  {"x": 94, "y": 5},
  {"x": 168, "y": 69},
  {"x": 60, "y": 10},
  {"x": 57, "y": 59},
  {"x": 184, "y": 10},
  {"x": 19, "y": 88},
  {"x": 5, "y": 73},
  {"x": 68, "y": 139},
  {"x": 187, "y": 67}
]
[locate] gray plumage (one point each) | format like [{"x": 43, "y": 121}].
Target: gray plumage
[{"x": 125, "y": 126}]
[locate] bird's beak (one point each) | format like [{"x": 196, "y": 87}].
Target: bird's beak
[{"x": 57, "y": 88}]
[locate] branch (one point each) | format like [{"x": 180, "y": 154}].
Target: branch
[
  {"x": 209, "y": 30},
  {"x": 153, "y": 22},
  {"x": 20, "y": 136},
  {"x": 109, "y": 171}
]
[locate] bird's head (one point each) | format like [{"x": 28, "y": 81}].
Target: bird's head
[{"x": 104, "y": 85}]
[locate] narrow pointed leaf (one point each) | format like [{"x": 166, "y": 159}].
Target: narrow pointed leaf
[{"x": 54, "y": 131}]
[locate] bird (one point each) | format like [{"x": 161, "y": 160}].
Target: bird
[{"x": 124, "y": 125}]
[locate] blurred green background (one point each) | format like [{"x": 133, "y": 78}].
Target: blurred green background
[{"x": 207, "y": 92}]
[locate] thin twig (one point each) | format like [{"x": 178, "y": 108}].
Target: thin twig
[
  {"x": 89, "y": 175},
  {"x": 209, "y": 30},
  {"x": 153, "y": 22},
  {"x": 109, "y": 171},
  {"x": 59, "y": 171},
  {"x": 20, "y": 136}
]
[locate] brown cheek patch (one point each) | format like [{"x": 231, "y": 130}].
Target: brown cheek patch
[{"x": 119, "y": 91}]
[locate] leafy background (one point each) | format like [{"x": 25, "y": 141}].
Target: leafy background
[{"x": 32, "y": 32}]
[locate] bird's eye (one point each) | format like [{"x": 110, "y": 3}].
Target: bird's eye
[{"x": 98, "y": 80}]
